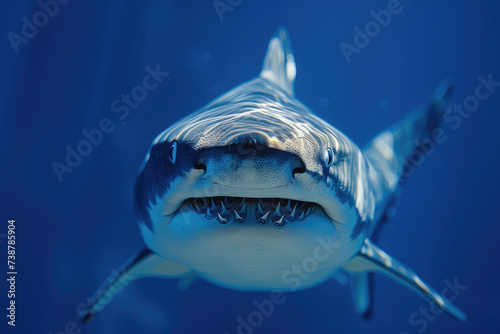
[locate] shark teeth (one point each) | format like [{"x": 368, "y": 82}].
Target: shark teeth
[
  {"x": 279, "y": 222},
  {"x": 208, "y": 215},
  {"x": 227, "y": 209},
  {"x": 238, "y": 218},
  {"x": 291, "y": 217},
  {"x": 264, "y": 218},
  {"x": 224, "y": 211},
  {"x": 243, "y": 209},
  {"x": 221, "y": 219},
  {"x": 259, "y": 209},
  {"x": 277, "y": 210}
]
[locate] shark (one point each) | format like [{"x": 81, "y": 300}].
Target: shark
[{"x": 255, "y": 192}]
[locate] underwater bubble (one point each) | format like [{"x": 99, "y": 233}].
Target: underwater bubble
[
  {"x": 207, "y": 56},
  {"x": 324, "y": 101},
  {"x": 384, "y": 104}
]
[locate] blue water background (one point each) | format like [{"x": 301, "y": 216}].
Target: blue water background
[{"x": 72, "y": 234}]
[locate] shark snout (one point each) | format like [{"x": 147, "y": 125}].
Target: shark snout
[
  {"x": 250, "y": 143},
  {"x": 251, "y": 163}
]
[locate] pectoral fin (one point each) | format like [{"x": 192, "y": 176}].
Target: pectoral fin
[
  {"x": 371, "y": 258},
  {"x": 144, "y": 264},
  {"x": 361, "y": 293},
  {"x": 188, "y": 280}
]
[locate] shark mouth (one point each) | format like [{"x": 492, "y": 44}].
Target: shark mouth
[{"x": 277, "y": 210}]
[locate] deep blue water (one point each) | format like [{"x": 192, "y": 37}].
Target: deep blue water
[{"x": 71, "y": 234}]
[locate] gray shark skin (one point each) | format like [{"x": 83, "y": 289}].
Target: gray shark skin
[{"x": 248, "y": 186}]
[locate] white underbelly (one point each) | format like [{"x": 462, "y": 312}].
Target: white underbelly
[{"x": 252, "y": 255}]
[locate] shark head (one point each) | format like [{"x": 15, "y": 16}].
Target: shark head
[{"x": 242, "y": 189}]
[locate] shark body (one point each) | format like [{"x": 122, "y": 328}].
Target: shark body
[{"x": 250, "y": 185}]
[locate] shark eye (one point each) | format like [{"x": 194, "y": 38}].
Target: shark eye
[
  {"x": 328, "y": 157},
  {"x": 172, "y": 152}
]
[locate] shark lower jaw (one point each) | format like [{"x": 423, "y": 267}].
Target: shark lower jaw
[
  {"x": 252, "y": 254},
  {"x": 240, "y": 210},
  {"x": 246, "y": 242}
]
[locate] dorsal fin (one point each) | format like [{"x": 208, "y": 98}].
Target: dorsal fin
[
  {"x": 393, "y": 153},
  {"x": 279, "y": 64}
]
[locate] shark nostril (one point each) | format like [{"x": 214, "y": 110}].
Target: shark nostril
[
  {"x": 297, "y": 170},
  {"x": 200, "y": 165}
]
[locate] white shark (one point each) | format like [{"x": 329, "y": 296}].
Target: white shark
[{"x": 252, "y": 184}]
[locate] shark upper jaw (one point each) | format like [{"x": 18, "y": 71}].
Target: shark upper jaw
[
  {"x": 288, "y": 203},
  {"x": 279, "y": 211},
  {"x": 247, "y": 208}
]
